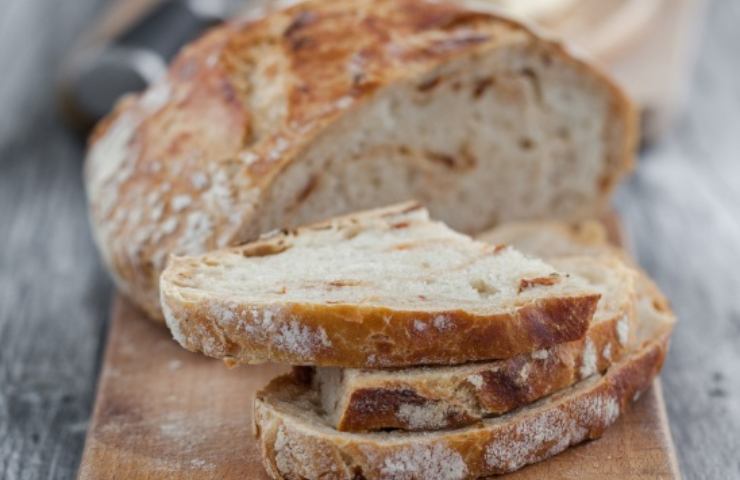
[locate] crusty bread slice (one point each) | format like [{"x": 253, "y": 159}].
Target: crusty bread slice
[
  {"x": 552, "y": 239},
  {"x": 330, "y": 107},
  {"x": 296, "y": 442},
  {"x": 379, "y": 288},
  {"x": 433, "y": 398}
]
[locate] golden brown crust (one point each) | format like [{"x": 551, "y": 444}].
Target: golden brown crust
[
  {"x": 297, "y": 445},
  {"x": 184, "y": 167},
  {"x": 357, "y": 336},
  {"x": 496, "y": 387}
]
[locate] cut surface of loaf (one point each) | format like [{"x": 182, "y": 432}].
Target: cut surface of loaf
[
  {"x": 332, "y": 107},
  {"x": 297, "y": 442},
  {"x": 433, "y": 398},
  {"x": 552, "y": 239},
  {"x": 384, "y": 287}
]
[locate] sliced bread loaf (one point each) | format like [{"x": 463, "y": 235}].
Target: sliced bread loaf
[
  {"x": 380, "y": 288},
  {"x": 297, "y": 442},
  {"x": 433, "y": 398},
  {"x": 332, "y": 107}
]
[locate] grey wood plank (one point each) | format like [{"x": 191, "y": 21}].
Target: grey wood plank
[{"x": 53, "y": 293}]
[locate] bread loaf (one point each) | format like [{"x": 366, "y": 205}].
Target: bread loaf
[
  {"x": 329, "y": 107},
  {"x": 434, "y": 398},
  {"x": 296, "y": 441},
  {"x": 380, "y": 288}
]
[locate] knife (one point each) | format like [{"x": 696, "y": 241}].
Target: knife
[{"x": 106, "y": 66}]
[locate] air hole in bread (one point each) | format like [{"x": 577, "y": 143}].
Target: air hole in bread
[
  {"x": 548, "y": 281},
  {"x": 483, "y": 288},
  {"x": 428, "y": 84},
  {"x": 526, "y": 143},
  {"x": 481, "y": 86},
  {"x": 265, "y": 249},
  {"x": 351, "y": 232},
  {"x": 443, "y": 159},
  {"x": 345, "y": 283},
  {"x": 563, "y": 133},
  {"x": 534, "y": 80},
  {"x": 357, "y": 473}
]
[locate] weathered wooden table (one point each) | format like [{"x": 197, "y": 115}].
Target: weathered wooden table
[{"x": 682, "y": 210}]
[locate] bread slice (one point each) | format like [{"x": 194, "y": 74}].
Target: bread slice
[
  {"x": 552, "y": 239},
  {"x": 296, "y": 442},
  {"x": 433, "y": 398},
  {"x": 326, "y": 108},
  {"x": 385, "y": 287}
]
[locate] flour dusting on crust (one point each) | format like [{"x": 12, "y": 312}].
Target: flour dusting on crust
[
  {"x": 300, "y": 339},
  {"x": 623, "y": 330},
  {"x": 270, "y": 326},
  {"x": 430, "y": 462},
  {"x": 588, "y": 364},
  {"x": 513, "y": 449},
  {"x": 540, "y": 354},
  {"x": 607, "y": 352},
  {"x": 422, "y": 417},
  {"x": 476, "y": 380},
  {"x": 293, "y": 455},
  {"x": 173, "y": 323}
]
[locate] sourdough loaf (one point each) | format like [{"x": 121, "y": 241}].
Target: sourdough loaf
[
  {"x": 380, "y": 288},
  {"x": 297, "y": 442},
  {"x": 329, "y": 107},
  {"x": 433, "y": 398}
]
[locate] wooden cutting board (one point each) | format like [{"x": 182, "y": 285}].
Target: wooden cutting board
[{"x": 164, "y": 413}]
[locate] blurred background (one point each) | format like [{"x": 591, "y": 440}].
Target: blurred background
[{"x": 63, "y": 64}]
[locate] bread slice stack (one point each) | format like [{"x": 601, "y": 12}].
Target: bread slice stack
[{"x": 420, "y": 352}]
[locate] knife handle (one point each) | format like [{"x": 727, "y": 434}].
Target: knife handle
[{"x": 99, "y": 73}]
